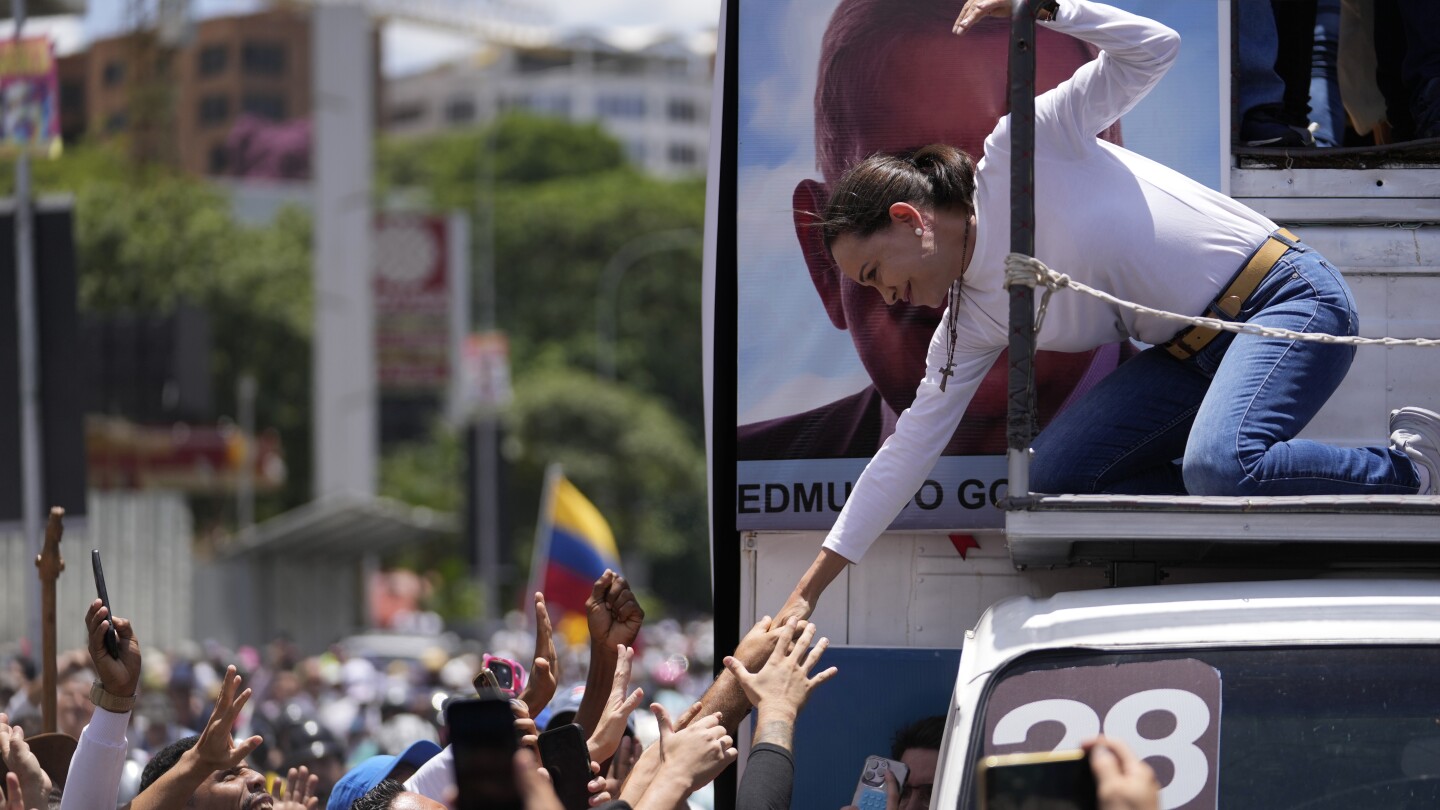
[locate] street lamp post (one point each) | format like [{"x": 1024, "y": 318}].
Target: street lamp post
[{"x": 607, "y": 303}]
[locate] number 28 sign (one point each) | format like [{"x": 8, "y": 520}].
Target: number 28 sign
[{"x": 1167, "y": 711}]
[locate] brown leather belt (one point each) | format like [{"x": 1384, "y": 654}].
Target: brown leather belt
[{"x": 1190, "y": 340}]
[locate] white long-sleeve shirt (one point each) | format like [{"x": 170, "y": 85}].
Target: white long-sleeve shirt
[
  {"x": 1106, "y": 216},
  {"x": 93, "y": 781}
]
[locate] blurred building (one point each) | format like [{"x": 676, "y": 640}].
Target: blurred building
[
  {"x": 233, "y": 97},
  {"x": 654, "y": 98}
]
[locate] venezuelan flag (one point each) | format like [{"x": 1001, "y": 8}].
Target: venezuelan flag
[{"x": 574, "y": 547}]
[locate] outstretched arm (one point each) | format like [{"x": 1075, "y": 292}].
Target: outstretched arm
[{"x": 215, "y": 751}]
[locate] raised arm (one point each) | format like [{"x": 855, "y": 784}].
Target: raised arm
[
  {"x": 1135, "y": 53},
  {"x": 99, "y": 759}
]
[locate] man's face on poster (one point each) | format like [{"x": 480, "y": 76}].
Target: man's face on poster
[{"x": 939, "y": 88}]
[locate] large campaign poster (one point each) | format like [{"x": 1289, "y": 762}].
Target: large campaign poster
[{"x": 824, "y": 367}]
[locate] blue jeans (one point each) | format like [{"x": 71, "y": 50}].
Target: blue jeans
[
  {"x": 1258, "y": 83},
  {"x": 1231, "y": 412}
]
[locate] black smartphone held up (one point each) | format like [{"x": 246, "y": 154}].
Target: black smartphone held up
[
  {"x": 1061, "y": 780},
  {"x": 504, "y": 674},
  {"x": 567, "y": 758},
  {"x": 112, "y": 639},
  {"x": 482, "y": 737}
]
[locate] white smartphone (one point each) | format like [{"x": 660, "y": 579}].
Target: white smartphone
[{"x": 870, "y": 792}]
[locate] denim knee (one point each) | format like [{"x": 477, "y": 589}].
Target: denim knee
[
  {"x": 1051, "y": 475},
  {"x": 1209, "y": 470}
]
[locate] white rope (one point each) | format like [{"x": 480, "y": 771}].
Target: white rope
[{"x": 1031, "y": 272}]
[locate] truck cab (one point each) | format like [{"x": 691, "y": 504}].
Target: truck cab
[{"x": 1292, "y": 694}]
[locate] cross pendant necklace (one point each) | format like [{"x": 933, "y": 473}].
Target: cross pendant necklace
[{"x": 947, "y": 370}]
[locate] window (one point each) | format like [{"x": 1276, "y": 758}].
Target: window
[
  {"x": 263, "y": 58},
  {"x": 214, "y": 110},
  {"x": 264, "y": 105},
  {"x": 683, "y": 154},
  {"x": 1324, "y": 727},
  {"x": 407, "y": 113},
  {"x": 114, "y": 72},
  {"x": 117, "y": 122},
  {"x": 681, "y": 109},
  {"x": 219, "y": 159},
  {"x": 460, "y": 110},
  {"x": 553, "y": 105},
  {"x": 621, "y": 106},
  {"x": 212, "y": 60},
  {"x": 541, "y": 61}
]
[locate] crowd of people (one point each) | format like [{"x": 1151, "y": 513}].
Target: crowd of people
[{"x": 292, "y": 733}]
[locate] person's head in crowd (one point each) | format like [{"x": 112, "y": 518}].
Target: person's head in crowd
[
  {"x": 891, "y": 77},
  {"x": 364, "y": 777},
  {"x": 918, "y": 746},
  {"x": 163, "y": 760},
  {"x": 72, "y": 702},
  {"x": 310, "y": 745},
  {"x": 391, "y": 795}
]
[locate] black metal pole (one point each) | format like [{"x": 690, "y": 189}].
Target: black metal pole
[{"x": 1020, "y": 423}]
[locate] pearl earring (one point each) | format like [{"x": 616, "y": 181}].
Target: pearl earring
[{"x": 919, "y": 231}]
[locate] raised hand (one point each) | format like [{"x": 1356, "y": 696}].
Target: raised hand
[
  {"x": 695, "y": 754},
  {"x": 611, "y": 727},
  {"x": 545, "y": 667},
  {"x": 120, "y": 677},
  {"x": 14, "y": 794},
  {"x": 612, "y": 612},
  {"x": 975, "y": 9},
  {"x": 783, "y": 684},
  {"x": 1123, "y": 780},
  {"x": 22, "y": 762},
  {"x": 215, "y": 750},
  {"x": 300, "y": 790}
]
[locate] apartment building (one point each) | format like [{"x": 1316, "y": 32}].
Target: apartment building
[{"x": 654, "y": 96}]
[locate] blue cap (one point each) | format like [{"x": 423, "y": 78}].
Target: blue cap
[{"x": 361, "y": 778}]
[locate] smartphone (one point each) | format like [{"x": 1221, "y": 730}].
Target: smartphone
[
  {"x": 486, "y": 684},
  {"x": 870, "y": 792},
  {"x": 510, "y": 675},
  {"x": 481, "y": 732},
  {"x": 112, "y": 639},
  {"x": 567, "y": 758},
  {"x": 1061, "y": 780}
]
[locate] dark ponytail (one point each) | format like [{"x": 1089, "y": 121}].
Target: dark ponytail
[{"x": 935, "y": 176}]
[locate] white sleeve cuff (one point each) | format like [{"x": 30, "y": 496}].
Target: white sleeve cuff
[{"x": 107, "y": 728}]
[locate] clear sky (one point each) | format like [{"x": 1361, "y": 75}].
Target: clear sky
[{"x": 409, "y": 47}]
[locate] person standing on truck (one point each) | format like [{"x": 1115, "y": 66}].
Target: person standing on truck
[{"x": 931, "y": 227}]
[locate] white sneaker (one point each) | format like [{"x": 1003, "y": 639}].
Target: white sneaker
[{"x": 1416, "y": 433}]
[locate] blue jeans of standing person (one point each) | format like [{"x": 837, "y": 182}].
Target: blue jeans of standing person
[
  {"x": 1231, "y": 412},
  {"x": 1258, "y": 83}
]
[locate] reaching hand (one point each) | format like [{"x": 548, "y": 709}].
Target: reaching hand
[
  {"x": 215, "y": 750},
  {"x": 22, "y": 762},
  {"x": 783, "y": 684},
  {"x": 755, "y": 647},
  {"x": 1123, "y": 780},
  {"x": 299, "y": 790},
  {"x": 14, "y": 794},
  {"x": 975, "y": 9},
  {"x": 618, "y": 707},
  {"x": 119, "y": 677},
  {"x": 695, "y": 754},
  {"x": 612, "y": 612},
  {"x": 525, "y": 727},
  {"x": 545, "y": 666}
]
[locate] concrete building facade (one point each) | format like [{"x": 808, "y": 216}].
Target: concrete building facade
[{"x": 654, "y": 98}]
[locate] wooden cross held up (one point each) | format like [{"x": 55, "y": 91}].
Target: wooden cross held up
[{"x": 50, "y": 564}]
